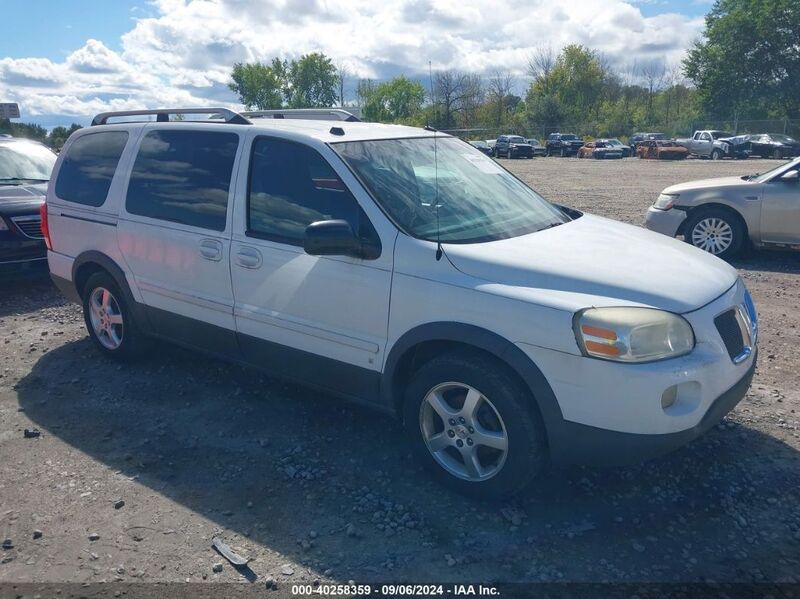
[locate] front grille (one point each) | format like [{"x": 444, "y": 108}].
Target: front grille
[
  {"x": 731, "y": 333},
  {"x": 30, "y": 226}
]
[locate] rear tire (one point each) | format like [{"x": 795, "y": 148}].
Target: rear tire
[
  {"x": 717, "y": 231},
  {"x": 474, "y": 426},
  {"x": 109, "y": 319}
]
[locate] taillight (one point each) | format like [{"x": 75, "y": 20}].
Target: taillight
[{"x": 45, "y": 227}]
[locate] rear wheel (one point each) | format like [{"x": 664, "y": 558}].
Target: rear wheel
[
  {"x": 717, "y": 231},
  {"x": 109, "y": 320},
  {"x": 474, "y": 426}
]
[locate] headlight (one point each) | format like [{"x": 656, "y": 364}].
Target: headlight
[
  {"x": 666, "y": 201},
  {"x": 632, "y": 334}
]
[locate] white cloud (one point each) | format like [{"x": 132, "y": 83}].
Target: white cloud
[{"x": 183, "y": 54}]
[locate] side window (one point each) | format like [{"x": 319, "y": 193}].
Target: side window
[
  {"x": 183, "y": 177},
  {"x": 86, "y": 172},
  {"x": 705, "y": 137},
  {"x": 292, "y": 186}
]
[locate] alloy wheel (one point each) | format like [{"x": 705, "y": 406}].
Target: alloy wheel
[
  {"x": 463, "y": 431},
  {"x": 106, "y": 318},
  {"x": 712, "y": 235}
]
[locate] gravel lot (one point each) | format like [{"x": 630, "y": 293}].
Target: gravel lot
[{"x": 311, "y": 489}]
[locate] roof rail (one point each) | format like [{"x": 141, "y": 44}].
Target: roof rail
[
  {"x": 314, "y": 114},
  {"x": 162, "y": 114}
]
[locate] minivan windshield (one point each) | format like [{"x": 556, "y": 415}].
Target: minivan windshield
[
  {"x": 25, "y": 162},
  {"x": 477, "y": 199}
]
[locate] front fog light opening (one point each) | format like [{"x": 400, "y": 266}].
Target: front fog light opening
[
  {"x": 669, "y": 396},
  {"x": 681, "y": 398}
]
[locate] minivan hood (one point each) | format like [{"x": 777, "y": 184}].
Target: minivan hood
[
  {"x": 706, "y": 184},
  {"x": 594, "y": 261}
]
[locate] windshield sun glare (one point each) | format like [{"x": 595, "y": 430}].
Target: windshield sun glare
[{"x": 447, "y": 190}]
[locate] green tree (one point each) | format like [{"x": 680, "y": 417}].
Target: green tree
[
  {"x": 26, "y": 130},
  {"x": 570, "y": 90},
  {"x": 260, "y": 86},
  {"x": 59, "y": 135},
  {"x": 748, "y": 61},
  {"x": 313, "y": 82},
  {"x": 398, "y": 99}
]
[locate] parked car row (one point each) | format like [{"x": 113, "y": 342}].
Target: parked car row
[{"x": 712, "y": 144}]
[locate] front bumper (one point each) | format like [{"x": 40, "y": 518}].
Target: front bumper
[
  {"x": 522, "y": 152},
  {"x": 739, "y": 153},
  {"x": 667, "y": 222},
  {"x": 24, "y": 266},
  {"x": 614, "y": 413},
  {"x": 582, "y": 444},
  {"x": 21, "y": 254}
]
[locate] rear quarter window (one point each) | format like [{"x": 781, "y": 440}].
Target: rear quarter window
[{"x": 89, "y": 166}]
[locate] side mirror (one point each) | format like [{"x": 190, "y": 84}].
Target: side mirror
[
  {"x": 336, "y": 238},
  {"x": 791, "y": 177}
]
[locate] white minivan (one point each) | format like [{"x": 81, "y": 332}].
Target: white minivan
[{"x": 403, "y": 269}]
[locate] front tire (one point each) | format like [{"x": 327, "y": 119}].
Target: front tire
[
  {"x": 777, "y": 155},
  {"x": 474, "y": 426},
  {"x": 109, "y": 319},
  {"x": 717, "y": 231},
  {"x": 716, "y": 155}
]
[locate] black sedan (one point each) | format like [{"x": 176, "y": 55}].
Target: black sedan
[
  {"x": 25, "y": 168},
  {"x": 481, "y": 145},
  {"x": 773, "y": 145}
]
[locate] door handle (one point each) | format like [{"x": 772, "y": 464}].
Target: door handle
[
  {"x": 211, "y": 249},
  {"x": 248, "y": 257},
  {"x": 751, "y": 198}
]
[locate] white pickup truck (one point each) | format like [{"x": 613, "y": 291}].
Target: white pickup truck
[{"x": 716, "y": 145}]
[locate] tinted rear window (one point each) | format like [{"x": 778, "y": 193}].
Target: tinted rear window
[
  {"x": 183, "y": 177},
  {"x": 86, "y": 172}
]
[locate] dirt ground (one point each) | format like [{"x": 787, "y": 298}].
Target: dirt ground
[{"x": 311, "y": 489}]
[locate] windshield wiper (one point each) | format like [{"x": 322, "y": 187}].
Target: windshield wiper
[
  {"x": 18, "y": 179},
  {"x": 550, "y": 226}
]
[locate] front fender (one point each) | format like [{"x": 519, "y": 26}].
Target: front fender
[{"x": 483, "y": 340}]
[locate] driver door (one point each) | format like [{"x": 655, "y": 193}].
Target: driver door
[{"x": 780, "y": 210}]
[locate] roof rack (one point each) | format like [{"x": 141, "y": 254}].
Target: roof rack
[
  {"x": 163, "y": 114},
  {"x": 313, "y": 114}
]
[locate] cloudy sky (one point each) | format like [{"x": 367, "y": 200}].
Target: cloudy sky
[{"x": 65, "y": 60}]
